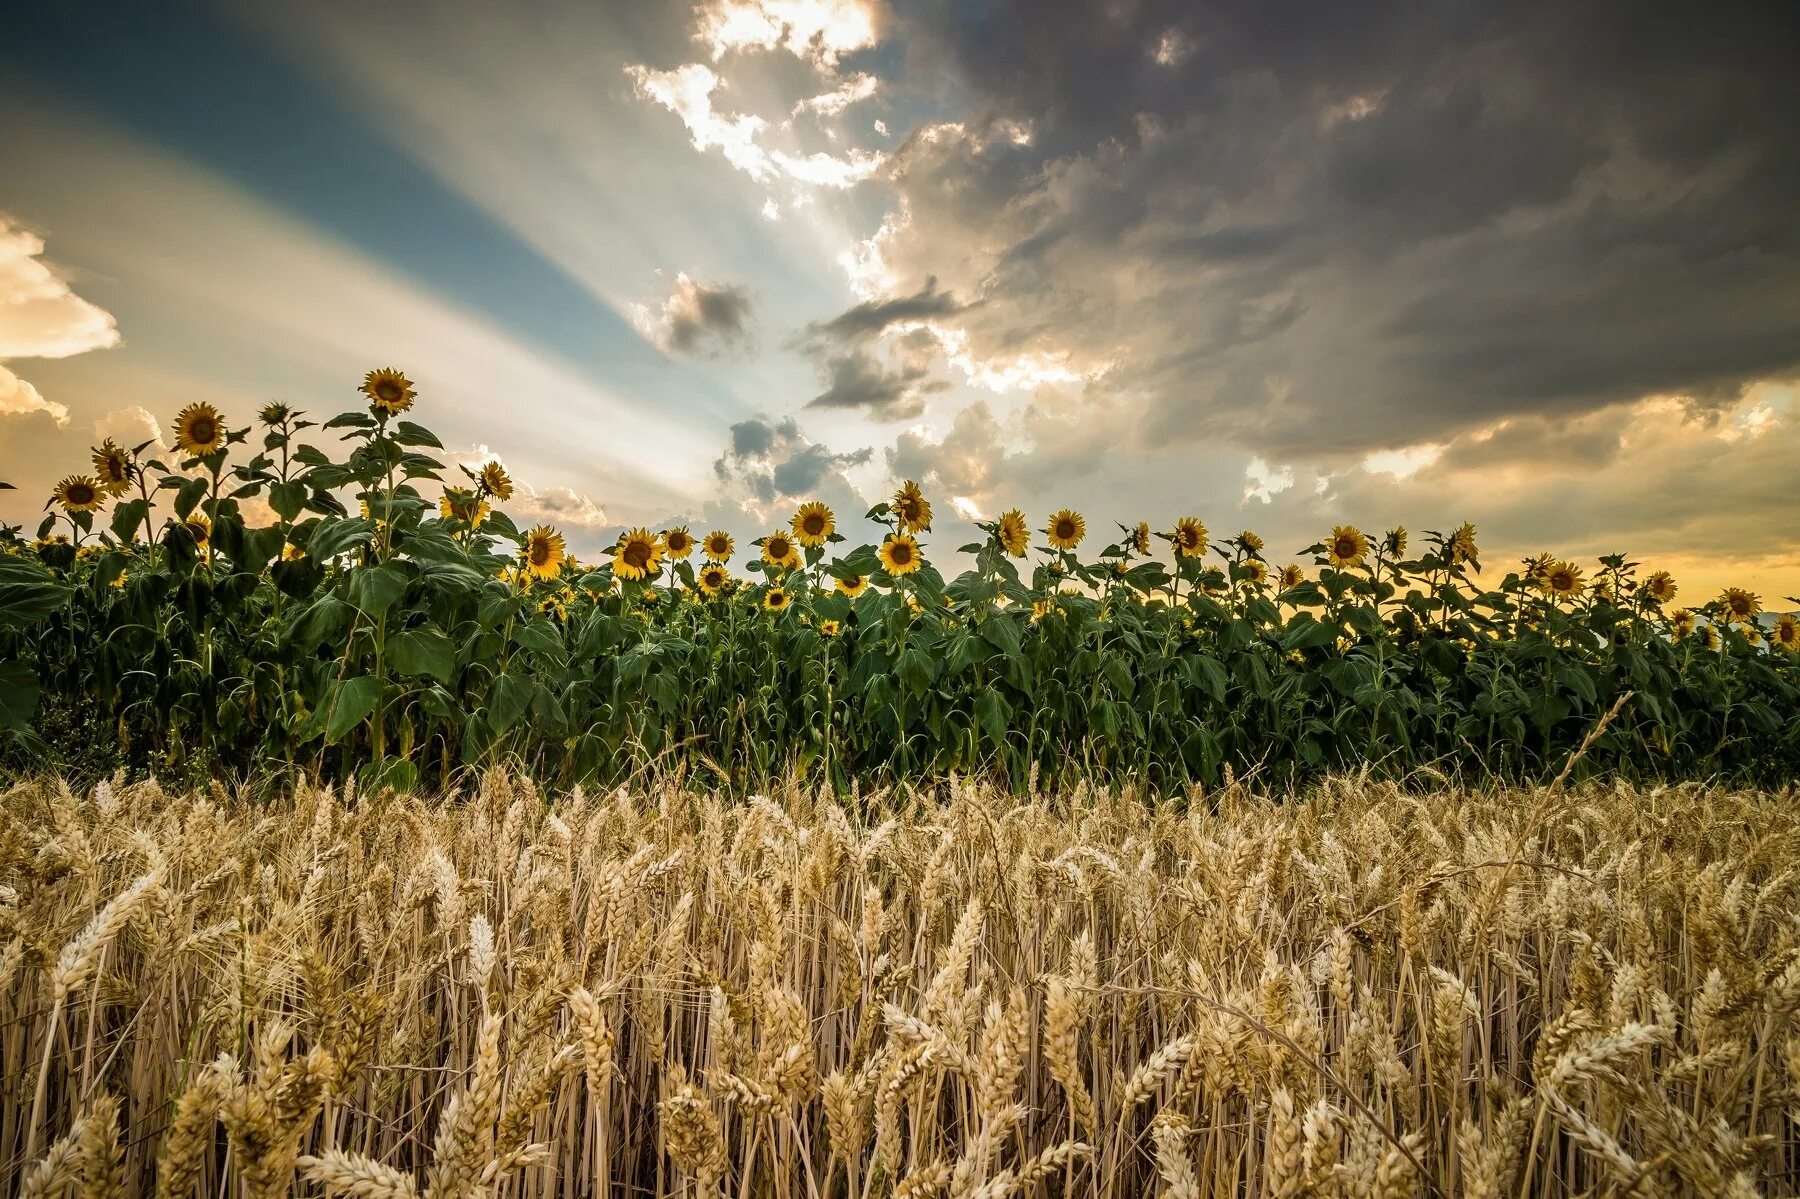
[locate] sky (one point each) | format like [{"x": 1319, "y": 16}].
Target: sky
[{"x": 1280, "y": 264}]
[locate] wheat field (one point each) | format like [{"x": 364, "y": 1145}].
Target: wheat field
[{"x": 1365, "y": 990}]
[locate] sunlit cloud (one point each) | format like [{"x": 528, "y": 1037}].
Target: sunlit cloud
[
  {"x": 40, "y": 317},
  {"x": 821, "y": 30}
]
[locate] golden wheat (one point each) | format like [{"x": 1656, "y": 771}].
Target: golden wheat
[{"x": 1368, "y": 990}]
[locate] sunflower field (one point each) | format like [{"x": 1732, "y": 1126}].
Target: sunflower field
[{"x": 382, "y": 617}]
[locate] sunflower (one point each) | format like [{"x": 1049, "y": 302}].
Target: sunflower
[
  {"x": 1014, "y": 534},
  {"x": 1346, "y": 546},
  {"x": 1255, "y": 571},
  {"x": 1394, "y": 544},
  {"x": 778, "y": 549},
  {"x": 853, "y": 586},
  {"x": 1066, "y": 529},
  {"x": 1709, "y": 636},
  {"x": 198, "y": 430},
  {"x": 1682, "y": 624},
  {"x": 459, "y": 503},
  {"x": 829, "y": 628},
  {"x": 718, "y": 546},
  {"x": 637, "y": 556},
  {"x": 199, "y": 527},
  {"x": 544, "y": 551},
  {"x": 713, "y": 579},
  {"x": 291, "y": 552},
  {"x": 496, "y": 481},
  {"x": 1740, "y": 604},
  {"x": 112, "y": 467},
  {"x": 78, "y": 493},
  {"x": 1462, "y": 543},
  {"x": 1786, "y": 632},
  {"x": 274, "y": 413},
  {"x": 1563, "y": 578},
  {"x": 1041, "y": 608},
  {"x": 1140, "y": 538},
  {"x": 1660, "y": 587},
  {"x": 554, "y": 607},
  {"x": 813, "y": 524},
  {"x": 678, "y": 542},
  {"x": 1251, "y": 542},
  {"x": 1292, "y": 576},
  {"x": 1537, "y": 568},
  {"x": 1190, "y": 537},
  {"x": 775, "y": 599},
  {"x": 900, "y": 555},
  {"x": 912, "y": 508},
  {"x": 389, "y": 391}
]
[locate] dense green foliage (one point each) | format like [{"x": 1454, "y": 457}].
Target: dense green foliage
[{"x": 164, "y": 633}]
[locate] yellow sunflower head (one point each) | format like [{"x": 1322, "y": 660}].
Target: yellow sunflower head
[
  {"x": 544, "y": 551},
  {"x": 199, "y": 526},
  {"x": 1709, "y": 636},
  {"x": 718, "y": 545},
  {"x": 1251, "y": 542},
  {"x": 1346, "y": 547},
  {"x": 853, "y": 586},
  {"x": 199, "y": 430},
  {"x": 389, "y": 391},
  {"x": 1563, "y": 579},
  {"x": 775, "y": 599},
  {"x": 1190, "y": 537},
  {"x": 78, "y": 493},
  {"x": 1660, "y": 587},
  {"x": 1394, "y": 544},
  {"x": 1256, "y": 572},
  {"x": 829, "y": 628},
  {"x": 1786, "y": 632},
  {"x": 778, "y": 549},
  {"x": 112, "y": 467},
  {"x": 496, "y": 482},
  {"x": 900, "y": 555},
  {"x": 1013, "y": 532},
  {"x": 638, "y": 555},
  {"x": 1537, "y": 568},
  {"x": 554, "y": 607},
  {"x": 713, "y": 579},
  {"x": 813, "y": 524},
  {"x": 291, "y": 552},
  {"x": 678, "y": 542},
  {"x": 1066, "y": 529},
  {"x": 459, "y": 503},
  {"x": 1739, "y": 604},
  {"x": 1462, "y": 543},
  {"x": 911, "y": 508},
  {"x": 1292, "y": 575},
  {"x": 1682, "y": 623},
  {"x": 1140, "y": 538}
]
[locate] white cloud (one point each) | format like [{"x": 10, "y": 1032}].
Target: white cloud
[
  {"x": 128, "y": 427},
  {"x": 17, "y": 397},
  {"x": 40, "y": 317},
  {"x": 687, "y": 91},
  {"x": 856, "y": 87},
  {"x": 820, "y": 30},
  {"x": 1263, "y": 482},
  {"x": 1403, "y": 462}
]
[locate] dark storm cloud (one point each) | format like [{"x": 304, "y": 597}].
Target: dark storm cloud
[
  {"x": 858, "y": 380},
  {"x": 699, "y": 318},
  {"x": 770, "y": 460},
  {"x": 1330, "y": 228},
  {"x": 874, "y": 316}
]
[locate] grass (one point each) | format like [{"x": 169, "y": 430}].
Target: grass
[{"x": 1367, "y": 989}]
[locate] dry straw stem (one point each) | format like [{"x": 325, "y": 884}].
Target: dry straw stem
[{"x": 1368, "y": 988}]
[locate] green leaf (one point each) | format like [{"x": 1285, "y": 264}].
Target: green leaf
[
  {"x": 507, "y": 701},
  {"x": 18, "y": 696},
  {"x": 407, "y": 433},
  {"x": 375, "y": 589},
  {"x": 423, "y": 652},
  {"x": 348, "y": 704},
  {"x": 994, "y": 713}
]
